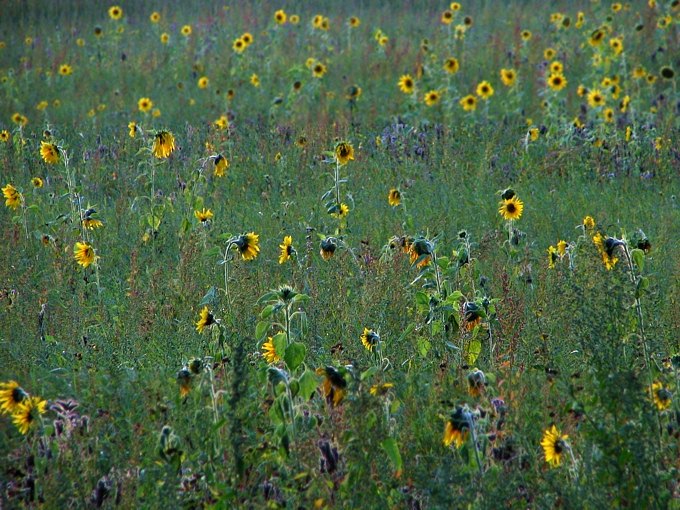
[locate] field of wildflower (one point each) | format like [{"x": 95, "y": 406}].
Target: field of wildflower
[{"x": 340, "y": 254}]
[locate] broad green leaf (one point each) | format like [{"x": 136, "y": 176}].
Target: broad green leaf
[
  {"x": 473, "y": 351},
  {"x": 295, "y": 355},
  {"x": 308, "y": 384},
  {"x": 392, "y": 450}
]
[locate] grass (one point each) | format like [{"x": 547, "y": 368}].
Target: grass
[{"x": 145, "y": 411}]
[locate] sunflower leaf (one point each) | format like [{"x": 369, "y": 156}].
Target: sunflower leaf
[
  {"x": 295, "y": 355},
  {"x": 392, "y": 450}
]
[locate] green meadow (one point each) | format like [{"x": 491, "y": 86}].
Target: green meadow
[{"x": 339, "y": 255}]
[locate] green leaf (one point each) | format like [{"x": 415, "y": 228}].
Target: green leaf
[
  {"x": 642, "y": 286},
  {"x": 280, "y": 343},
  {"x": 392, "y": 450},
  {"x": 473, "y": 351},
  {"x": 210, "y": 297},
  {"x": 368, "y": 373},
  {"x": 261, "y": 330},
  {"x": 267, "y": 311},
  {"x": 638, "y": 257},
  {"x": 308, "y": 384},
  {"x": 295, "y": 355},
  {"x": 424, "y": 346}
]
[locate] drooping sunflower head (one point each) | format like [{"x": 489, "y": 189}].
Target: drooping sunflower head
[
  {"x": 511, "y": 209},
  {"x": 12, "y": 196},
  {"x": 344, "y": 153},
  {"x": 552, "y": 257},
  {"x": 248, "y": 245},
  {"x": 476, "y": 382},
  {"x": 370, "y": 339},
  {"x": 205, "y": 319},
  {"x": 394, "y": 197},
  {"x": 11, "y": 396},
  {"x": 286, "y": 249},
  {"x": 353, "y": 92},
  {"x": 457, "y": 427},
  {"x": 554, "y": 444},
  {"x": 472, "y": 314},
  {"x": 220, "y": 164},
  {"x": 662, "y": 396},
  {"x": 334, "y": 385},
  {"x": 49, "y": 152},
  {"x": 28, "y": 413},
  {"x": 184, "y": 377},
  {"x": 163, "y": 144},
  {"x": 328, "y": 247},
  {"x": 83, "y": 254},
  {"x": 380, "y": 390},
  {"x": 589, "y": 223}
]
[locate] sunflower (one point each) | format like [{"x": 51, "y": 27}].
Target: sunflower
[
  {"x": 468, "y": 103},
  {"x": 165, "y": 37},
  {"x": 186, "y": 30},
  {"x": 328, "y": 247},
  {"x": 526, "y": 35},
  {"x": 353, "y": 92},
  {"x": 380, "y": 390},
  {"x": 553, "y": 444},
  {"x": 12, "y": 196},
  {"x": 269, "y": 351},
  {"x": 556, "y": 67},
  {"x": 248, "y": 245},
  {"x": 203, "y": 216},
  {"x": 354, "y": 22},
  {"x": 344, "y": 153},
  {"x": 222, "y": 122},
  {"x": 184, "y": 380},
  {"x": 369, "y": 339},
  {"x": 247, "y": 38},
  {"x": 286, "y": 249},
  {"x": 476, "y": 382},
  {"x": 144, "y": 104},
  {"x": 534, "y": 133},
  {"x": 667, "y": 73},
  {"x": 115, "y": 12},
  {"x": 155, "y": 17},
  {"x": 447, "y": 17},
  {"x": 49, "y": 152},
  {"x": 65, "y": 69},
  {"x": 595, "y": 98},
  {"x": 432, "y": 97},
  {"x": 608, "y": 115},
  {"x": 511, "y": 209},
  {"x": 552, "y": 256},
  {"x": 239, "y": 45},
  {"x": 205, "y": 319},
  {"x": 639, "y": 72},
  {"x": 255, "y": 80},
  {"x": 37, "y": 182},
  {"x": 203, "y": 82},
  {"x": 163, "y": 144},
  {"x": 596, "y": 37},
  {"x": 92, "y": 223},
  {"x": 280, "y": 17},
  {"x": 318, "y": 70},
  {"x": 334, "y": 385},
  {"x": 484, "y": 90},
  {"x": 220, "y": 164},
  {"x": 557, "y": 82},
  {"x": 84, "y": 254},
  {"x": 11, "y": 396},
  {"x": 616, "y": 45},
  {"x": 457, "y": 427},
  {"x": 394, "y": 197},
  {"x": 508, "y": 77},
  {"x": 340, "y": 210},
  {"x": 605, "y": 246},
  {"x": 4, "y": 136},
  {"x": 406, "y": 84},
  {"x": 27, "y": 413},
  {"x": 19, "y": 119},
  {"x": 451, "y": 65},
  {"x": 294, "y": 19},
  {"x": 661, "y": 396},
  {"x": 562, "y": 248}
]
